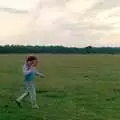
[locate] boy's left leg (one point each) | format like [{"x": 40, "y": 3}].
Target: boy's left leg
[
  {"x": 32, "y": 93},
  {"x": 35, "y": 105}
]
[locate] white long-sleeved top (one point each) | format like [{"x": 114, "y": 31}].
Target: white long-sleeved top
[{"x": 30, "y": 72}]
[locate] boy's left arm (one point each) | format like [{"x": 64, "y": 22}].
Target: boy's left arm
[{"x": 39, "y": 74}]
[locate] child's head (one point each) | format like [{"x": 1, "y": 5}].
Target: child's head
[{"x": 31, "y": 60}]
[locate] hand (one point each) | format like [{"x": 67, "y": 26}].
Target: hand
[
  {"x": 42, "y": 75},
  {"x": 32, "y": 66}
]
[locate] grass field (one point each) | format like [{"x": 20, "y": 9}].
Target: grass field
[{"x": 76, "y": 87}]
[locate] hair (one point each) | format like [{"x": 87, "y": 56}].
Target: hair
[{"x": 31, "y": 58}]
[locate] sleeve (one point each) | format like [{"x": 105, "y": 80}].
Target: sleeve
[
  {"x": 26, "y": 71},
  {"x": 38, "y": 73}
]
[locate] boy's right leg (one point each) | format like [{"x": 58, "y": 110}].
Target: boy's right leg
[
  {"x": 19, "y": 99},
  {"x": 22, "y": 96}
]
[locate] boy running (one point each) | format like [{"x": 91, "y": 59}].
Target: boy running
[{"x": 29, "y": 70}]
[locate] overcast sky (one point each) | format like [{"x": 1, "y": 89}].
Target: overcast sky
[{"x": 65, "y": 22}]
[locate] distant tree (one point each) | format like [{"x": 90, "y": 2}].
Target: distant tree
[
  {"x": 57, "y": 49},
  {"x": 88, "y": 49}
]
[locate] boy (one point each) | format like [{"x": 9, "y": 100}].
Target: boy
[{"x": 30, "y": 72}]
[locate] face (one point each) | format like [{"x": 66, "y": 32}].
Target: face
[
  {"x": 29, "y": 63},
  {"x": 34, "y": 62}
]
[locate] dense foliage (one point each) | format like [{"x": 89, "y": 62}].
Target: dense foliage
[{"x": 57, "y": 49}]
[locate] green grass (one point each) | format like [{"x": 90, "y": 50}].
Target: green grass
[{"x": 76, "y": 87}]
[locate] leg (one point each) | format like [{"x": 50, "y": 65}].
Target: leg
[
  {"x": 25, "y": 93},
  {"x": 22, "y": 96},
  {"x": 32, "y": 92},
  {"x": 19, "y": 99}
]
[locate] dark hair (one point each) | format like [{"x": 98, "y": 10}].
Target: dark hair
[{"x": 31, "y": 58}]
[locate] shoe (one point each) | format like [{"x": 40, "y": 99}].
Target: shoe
[
  {"x": 18, "y": 103},
  {"x": 35, "y": 106}
]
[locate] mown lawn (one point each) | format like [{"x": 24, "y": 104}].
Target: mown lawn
[{"x": 76, "y": 87}]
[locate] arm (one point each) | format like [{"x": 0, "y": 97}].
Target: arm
[
  {"x": 27, "y": 71},
  {"x": 39, "y": 74}
]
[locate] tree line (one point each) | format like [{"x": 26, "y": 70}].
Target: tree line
[{"x": 58, "y": 49}]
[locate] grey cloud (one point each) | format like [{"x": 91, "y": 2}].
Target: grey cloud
[
  {"x": 99, "y": 7},
  {"x": 106, "y": 4},
  {"x": 83, "y": 29},
  {"x": 80, "y": 29},
  {"x": 84, "y": 26},
  {"x": 13, "y": 10}
]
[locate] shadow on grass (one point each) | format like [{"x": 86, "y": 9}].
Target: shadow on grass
[
  {"x": 52, "y": 94},
  {"x": 57, "y": 94},
  {"x": 41, "y": 91}
]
